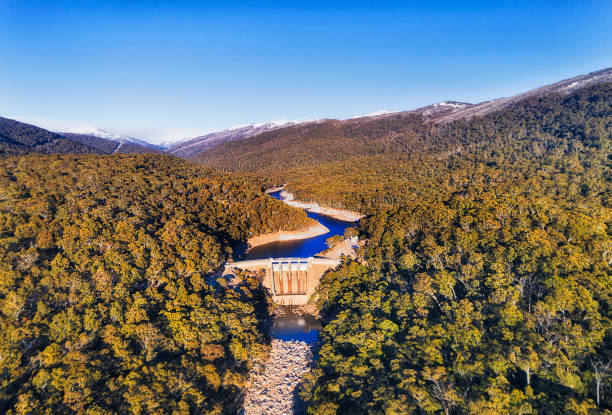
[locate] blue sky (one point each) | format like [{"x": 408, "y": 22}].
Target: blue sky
[{"x": 165, "y": 70}]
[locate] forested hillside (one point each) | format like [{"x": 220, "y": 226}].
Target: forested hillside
[
  {"x": 20, "y": 138},
  {"x": 108, "y": 146},
  {"x": 17, "y": 138},
  {"x": 486, "y": 280},
  {"x": 494, "y": 304},
  {"x": 105, "y": 304},
  {"x": 385, "y": 162}
]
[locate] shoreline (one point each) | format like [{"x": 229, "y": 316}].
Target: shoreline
[
  {"x": 274, "y": 189},
  {"x": 343, "y": 248},
  {"x": 340, "y": 214},
  {"x": 266, "y": 238}
]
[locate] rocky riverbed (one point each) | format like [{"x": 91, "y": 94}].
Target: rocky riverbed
[{"x": 272, "y": 388}]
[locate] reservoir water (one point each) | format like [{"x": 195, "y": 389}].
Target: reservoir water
[
  {"x": 302, "y": 248},
  {"x": 295, "y": 326},
  {"x": 291, "y": 325}
]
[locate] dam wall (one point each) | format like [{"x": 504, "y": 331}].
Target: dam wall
[{"x": 291, "y": 281}]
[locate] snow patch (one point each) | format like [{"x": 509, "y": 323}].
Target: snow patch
[
  {"x": 450, "y": 104},
  {"x": 374, "y": 114},
  {"x": 96, "y": 132},
  {"x": 573, "y": 84}
]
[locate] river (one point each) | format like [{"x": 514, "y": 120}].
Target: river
[
  {"x": 301, "y": 248},
  {"x": 273, "y": 386},
  {"x": 294, "y": 326}
]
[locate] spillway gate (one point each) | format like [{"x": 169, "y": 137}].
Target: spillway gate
[{"x": 291, "y": 281}]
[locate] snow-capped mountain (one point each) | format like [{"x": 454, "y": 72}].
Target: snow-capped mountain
[
  {"x": 430, "y": 112},
  {"x": 374, "y": 114},
  {"x": 193, "y": 146},
  {"x": 440, "y": 109},
  {"x": 563, "y": 87},
  {"x": 440, "y": 112},
  {"x": 96, "y": 132}
]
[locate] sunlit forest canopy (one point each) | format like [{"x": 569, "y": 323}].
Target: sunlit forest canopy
[
  {"x": 489, "y": 304},
  {"x": 558, "y": 143},
  {"x": 486, "y": 279},
  {"x": 483, "y": 285},
  {"x": 105, "y": 303}
]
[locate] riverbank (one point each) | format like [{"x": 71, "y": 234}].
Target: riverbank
[
  {"x": 311, "y": 232},
  {"x": 346, "y": 248},
  {"x": 340, "y": 214},
  {"x": 272, "y": 386},
  {"x": 274, "y": 189}
]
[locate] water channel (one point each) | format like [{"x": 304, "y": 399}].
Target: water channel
[
  {"x": 293, "y": 325},
  {"x": 301, "y": 248}
]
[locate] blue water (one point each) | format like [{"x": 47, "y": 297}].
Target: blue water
[
  {"x": 302, "y": 248},
  {"x": 293, "y": 326}
]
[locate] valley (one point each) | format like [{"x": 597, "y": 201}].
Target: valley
[
  {"x": 311, "y": 244},
  {"x": 305, "y": 207},
  {"x": 469, "y": 269},
  {"x": 273, "y": 383}
]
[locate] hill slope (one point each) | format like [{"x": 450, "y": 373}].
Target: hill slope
[
  {"x": 20, "y": 138},
  {"x": 191, "y": 147},
  {"x": 106, "y": 305},
  {"x": 17, "y": 138},
  {"x": 566, "y": 86},
  {"x": 108, "y": 146},
  {"x": 362, "y": 163},
  {"x": 119, "y": 138}
]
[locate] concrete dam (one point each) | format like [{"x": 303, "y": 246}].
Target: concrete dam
[{"x": 291, "y": 281}]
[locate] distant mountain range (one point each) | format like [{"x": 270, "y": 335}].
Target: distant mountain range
[
  {"x": 108, "y": 146},
  {"x": 328, "y": 141},
  {"x": 19, "y": 138},
  {"x": 124, "y": 139},
  {"x": 193, "y": 146},
  {"x": 441, "y": 112}
]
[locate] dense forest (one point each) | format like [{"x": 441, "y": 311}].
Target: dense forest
[
  {"x": 366, "y": 165},
  {"x": 488, "y": 282},
  {"x": 475, "y": 304},
  {"x": 485, "y": 285},
  {"x": 107, "y": 304}
]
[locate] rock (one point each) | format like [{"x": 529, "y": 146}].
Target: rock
[{"x": 272, "y": 388}]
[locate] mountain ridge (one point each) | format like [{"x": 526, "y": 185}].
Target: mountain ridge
[
  {"x": 96, "y": 132},
  {"x": 192, "y": 146},
  {"x": 109, "y": 146},
  {"x": 438, "y": 113},
  {"x": 18, "y": 138},
  {"x": 565, "y": 86}
]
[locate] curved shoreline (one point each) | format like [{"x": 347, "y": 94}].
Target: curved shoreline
[
  {"x": 266, "y": 238},
  {"x": 340, "y": 214}
]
